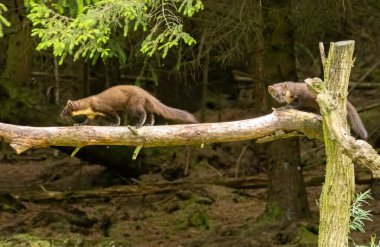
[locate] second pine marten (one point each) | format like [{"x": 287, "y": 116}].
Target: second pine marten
[
  {"x": 114, "y": 101},
  {"x": 298, "y": 96}
]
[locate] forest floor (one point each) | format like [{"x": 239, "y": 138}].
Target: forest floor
[{"x": 205, "y": 208}]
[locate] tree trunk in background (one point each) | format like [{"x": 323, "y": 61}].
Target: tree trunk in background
[
  {"x": 206, "y": 65},
  {"x": 15, "y": 80},
  {"x": 287, "y": 198},
  {"x": 256, "y": 62},
  {"x": 19, "y": 52}
]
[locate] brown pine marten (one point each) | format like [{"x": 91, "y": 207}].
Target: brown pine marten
[
  {"x": 297, "y": 95},
  {"x": 114, "y": 101}
]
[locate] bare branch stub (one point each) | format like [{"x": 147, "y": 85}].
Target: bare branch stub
[{"x": 322, "y": 52}]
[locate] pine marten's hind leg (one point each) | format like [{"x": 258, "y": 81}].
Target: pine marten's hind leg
[
  {"x": 142, "y": 119},
  {"x": 151, "y": 119},
  {"x": 117, "y": 118}
]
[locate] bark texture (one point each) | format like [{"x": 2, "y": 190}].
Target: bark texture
[{"x": 339, "y": 186}]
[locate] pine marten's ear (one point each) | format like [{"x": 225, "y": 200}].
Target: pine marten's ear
[
  {"x": 271, "y": 90},
  {"x": 285, "y": 85}
]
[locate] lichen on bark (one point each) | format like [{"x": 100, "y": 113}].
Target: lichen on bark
[{"x": 338, "y": 189}]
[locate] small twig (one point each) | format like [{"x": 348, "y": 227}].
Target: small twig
[
  {"x": 43, "y": 188},
  {"x": 369, "y": 71},
  {"x": 312, "y": 150},
  {"x": 214, "y": 169},
  {"x": 365, "y": 75},
  {"x": 238, "y": 161},
  {"x": 369, "y": 107},
  {"x": 138, "y": 182},
  {"x": 322, "y": 52},
  {"x": 133, "y": 130},
  {"x": 187, "y": 161}
]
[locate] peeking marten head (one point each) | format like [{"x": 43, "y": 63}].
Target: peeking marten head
[{"x": 281, "y": 93}]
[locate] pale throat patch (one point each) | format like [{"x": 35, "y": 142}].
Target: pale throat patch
[
  {"x": 288, "y": 97},
  {"x": 88, "y": 111}
]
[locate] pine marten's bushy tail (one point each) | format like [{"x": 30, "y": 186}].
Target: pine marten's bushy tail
[
  {"x": 172, "y": 113},
  {"x": 356, "y": 122}
]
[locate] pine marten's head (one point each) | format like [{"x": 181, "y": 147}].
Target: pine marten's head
[
  {"x": 281, "y": 93},
  {"x": 68, "y": 110}
]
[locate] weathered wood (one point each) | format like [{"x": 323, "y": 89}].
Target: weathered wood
[
  {"x": 358, "y": 150},
  {"x": 277, "y": 123},
  {"x": 339, "y": 186}
]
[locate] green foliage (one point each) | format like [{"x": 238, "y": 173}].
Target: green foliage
[
  {"x": 89, "y": 32},
  {"x": 371, "y": 244},
  {"x": 358, "y": 214},
  {"x": 3, "y": 21}
]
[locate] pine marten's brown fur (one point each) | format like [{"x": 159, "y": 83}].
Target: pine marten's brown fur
[
  {"x": 297, "y": 95},
  {"x": 134, "y": 100}
]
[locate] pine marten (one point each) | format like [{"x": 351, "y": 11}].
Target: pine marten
[
  {"x": 298, "y": 96},
  {"x": 114, "y": 101}
]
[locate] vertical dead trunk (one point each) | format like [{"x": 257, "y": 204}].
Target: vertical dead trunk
[
  {"x": 56, "y": 81},
  {"x": 206, "y": 64},
  {"x": 339, "y": 186},
  {"x": 86, "y": 79}
]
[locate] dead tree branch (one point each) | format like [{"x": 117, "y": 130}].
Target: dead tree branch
[{"x": 278, "y": 123}]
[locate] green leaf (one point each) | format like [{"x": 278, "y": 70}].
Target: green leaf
[
  {"x": 3, "y": 7},
  {"x": 4, "y": 21},
  {"x": 91, "y": 32},
  {"x": 77, "y": 148}
]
